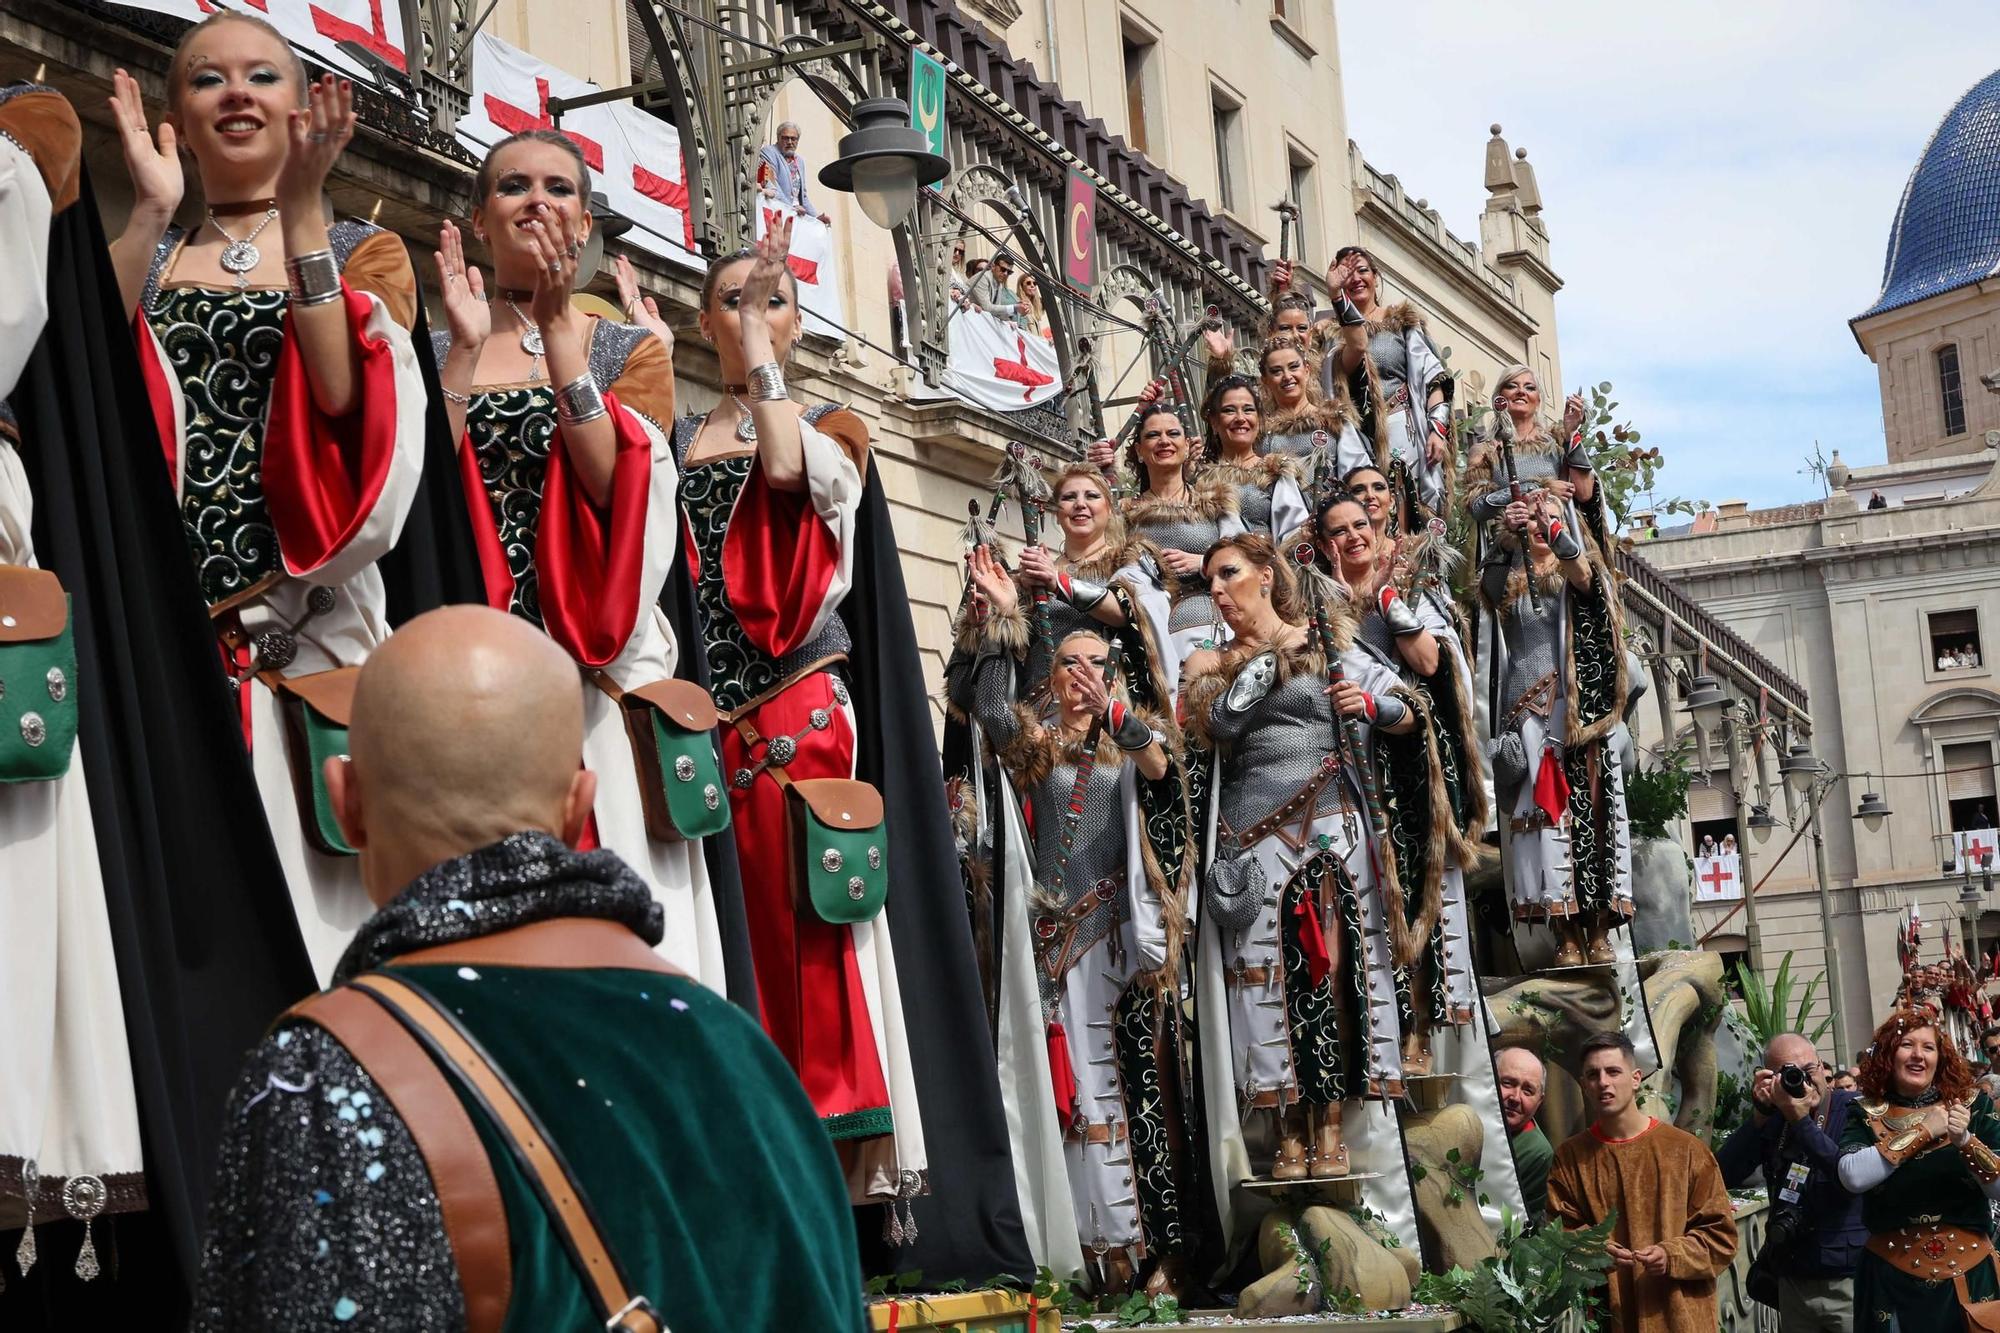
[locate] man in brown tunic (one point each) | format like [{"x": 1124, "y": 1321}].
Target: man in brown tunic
[{"x": 1675, "y": 1231}]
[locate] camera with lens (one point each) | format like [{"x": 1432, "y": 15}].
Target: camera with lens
[{"x": 1793, "y": 1080}]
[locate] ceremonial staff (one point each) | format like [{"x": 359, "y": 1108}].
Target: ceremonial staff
[
  {"x": 1086, "y": 764},
  {"x": 1347, "y": 732},
  {"x": 1023, "y": 472},
  {"x": 1503, "y": 439}
]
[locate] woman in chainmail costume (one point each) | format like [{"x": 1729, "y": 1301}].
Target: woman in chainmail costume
[
  {"x": 1096, "y": 905},
  {"x": 1562, "y": 693},
  {"x": 1269, "y": 497},
  {"x": 1182, "y": 512},
  {"x": 1304, "y": 923},
  {"x": 1319, "y": 430}
]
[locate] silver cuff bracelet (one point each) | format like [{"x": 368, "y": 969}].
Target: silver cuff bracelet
[
  {"x": 579, "y": 401},
  {"x": 314, "y": 278},
  {"x": 767, "y": 383}
]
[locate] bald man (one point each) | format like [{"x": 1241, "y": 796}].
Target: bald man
[
  {"x": 1523, "y": 1083},
  {"x": 711, "y": 1180}
]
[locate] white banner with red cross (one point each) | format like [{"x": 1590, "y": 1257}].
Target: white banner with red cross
[
  {"x": 634, "y": 158},
  {"x": 1718, "y": 878},
  {"x": 812, "y": 264},
  {"x": 1974, "y": 844},
  {"x": 317, "y": 27},
  {"x": 997, "y": 364}
]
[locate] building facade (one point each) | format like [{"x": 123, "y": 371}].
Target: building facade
[{"x": 1882, "y": 598}]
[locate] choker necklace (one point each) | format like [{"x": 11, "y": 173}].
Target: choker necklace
[
  {"x": 241, "y": 256},
  {"x": 734, "y": 389},
  {"x": 241, "y": 207},
  {"x": 1928, "y": 1097}
]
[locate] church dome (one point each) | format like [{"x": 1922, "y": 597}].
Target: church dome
[{"x": 1947, "y": 229}]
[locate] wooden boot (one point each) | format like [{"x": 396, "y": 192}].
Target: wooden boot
[
  {"x": 1329, "y": 1148},
  {"x": 1291, "y": 1159}
]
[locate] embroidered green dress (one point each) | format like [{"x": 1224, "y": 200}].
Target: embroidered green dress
[{"x": 1935, "y": 1186}]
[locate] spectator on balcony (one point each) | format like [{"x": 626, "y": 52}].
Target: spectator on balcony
[
  {"x": 1876, "y": 501},
  {"x": 781, "y": 172},
  {"x": 991, "y": 293},
  {"x": 1034, "y": 315}
]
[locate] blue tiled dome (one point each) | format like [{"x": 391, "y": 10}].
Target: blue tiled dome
[{"x": 1947, "y": 230}]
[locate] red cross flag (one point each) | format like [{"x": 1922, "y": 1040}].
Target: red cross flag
[
  {"x": 997, "y": 364},
  {"x": 812, "y": 264},
  {"x": 317, "y": 27},
  {"x": 1972, "y": 843},
  {"x": 1716, "y": 878}
]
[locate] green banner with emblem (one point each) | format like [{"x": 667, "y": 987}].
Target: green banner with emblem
[{"x": 927, "y": 100}]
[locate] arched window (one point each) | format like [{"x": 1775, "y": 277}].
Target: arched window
[{"x": 1950, "y": 393}]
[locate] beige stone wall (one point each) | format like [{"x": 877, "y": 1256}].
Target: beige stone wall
[{"x": 1904, "y": 344}]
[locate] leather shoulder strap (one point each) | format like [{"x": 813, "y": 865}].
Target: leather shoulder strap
[
  {"x": 568, "y": 1209},
  {"x": 569, "y": 941},
  {"x": 475, "y": 1220}
]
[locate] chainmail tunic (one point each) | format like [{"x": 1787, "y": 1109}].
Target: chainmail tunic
[
  {"x": 1275, "y": 748},
  {"x": 1391, "y": 357},
  {"x": 1190, "y": 532},
  {"x": 1534, "y": 647}
]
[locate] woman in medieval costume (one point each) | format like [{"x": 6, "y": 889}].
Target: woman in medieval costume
[
  {"x": 1397, "y": 381},
  {"x": 1562, "y": 693},
  {"x": 69, "y": 1118},
  {"x": 1104, "y": 579},
  {"x": 569, "y": 478},
  {"x": 1269, "y": 498},
  {"x": 1096, "y": 914},
  {"x": 1417, "y": 792},
  {"x": 1320, "y": 431},
  {"x": 1303, "y": 919},
  {"x": 813, "y": 667},
  {"x": 1182, "y": 512},
  {"x": 290, "y": 401},
  {"x": 1541, "y": 458}
]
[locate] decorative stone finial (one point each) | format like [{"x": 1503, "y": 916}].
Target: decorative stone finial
[
  {"x": 1524, "y": 181},
  {"x": 1499, "y": 172}
]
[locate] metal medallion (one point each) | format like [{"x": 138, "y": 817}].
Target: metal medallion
[
  {"x": 874, "y": 858},
  {"x": 782, "y": 750},
  {"x": 684, "y": 768},
  {"x": 320, "y": 600},
  {"x": 857, "y": 888},
  {"x": 830, "y": 861},
  {"x": 33, "y": 730},
  {"x": 58, "y": 684},
  {"x": 275, "y": 649},
  {"x": 241, "y": 257},
  {"x": 820, "y": 719},
  {"x": 840, "y": 691},
  {"x": 742, "y": 778},
  {"x": 531, "y": 340},
  {"x": 710, "y": 797},
  {"x": 84, "y": 1197}
]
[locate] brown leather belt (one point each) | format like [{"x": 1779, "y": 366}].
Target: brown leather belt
[
  {"x": 1530, "y": 823},
  {"x": 1304, "y": 798},
  {"x": 1932, "y": 1251},
  {"x": 1538, "y": 699},
  {"x": 1103, "y": 1134},
  {"x": 1238, "y": 977}
]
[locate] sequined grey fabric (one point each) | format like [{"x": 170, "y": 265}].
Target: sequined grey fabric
[
  {"x": 611, "y": 346},
  {"x": 1536, "y": 469},
  {"x": 1274, "y": 748},
  {"x": 1534, "y": 645},
  {"x": 523, "y": 878},
  {"x": 1391, "y": 356},
  {"x": 323, "y": 1215},
  {"x": 1299, "y": 444}
]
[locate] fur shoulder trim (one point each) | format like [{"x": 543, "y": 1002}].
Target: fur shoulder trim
[
  {"x": 1209, "y": 497},
  {"x": 1399, "y": 318},
  {"x": 1262, "y": 470},
  {"x": 1127, "y": 553},
  {"x": 1330, "y": 417},
  {"x": 1006, "y": 630}
]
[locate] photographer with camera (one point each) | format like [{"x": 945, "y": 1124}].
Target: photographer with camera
[{"x": 1813, "y": 1234}]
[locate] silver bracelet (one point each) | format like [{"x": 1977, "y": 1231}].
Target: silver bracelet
[
  {"x": 767, "y": 383},
  {"x": 462, "y": 399},
  {"x": 314, "y": 278},
  {"x": 579, "y": 401}
]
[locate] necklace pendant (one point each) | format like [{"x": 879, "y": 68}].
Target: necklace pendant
[
  {"x": 531, "y": 340},
  {"x": 240, "y": 257},
  {"x": 746, "y": 428}
]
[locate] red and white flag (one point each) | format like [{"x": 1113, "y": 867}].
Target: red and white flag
[
  {"x": 812, "y": 264},
  {"x": 317, "y": 27},
  {"x": 999, "y": 365}
]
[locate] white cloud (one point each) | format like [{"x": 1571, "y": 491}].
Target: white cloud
[{"x": 1719, "y": 182}]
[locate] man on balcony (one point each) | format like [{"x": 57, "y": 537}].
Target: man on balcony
[
  {"x": 781, "y": 172},
  {"x": 991, "y": 293}
]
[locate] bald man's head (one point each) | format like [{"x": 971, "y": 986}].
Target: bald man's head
[
  {"x": 1522, "y": 1086},
  {"x": 467, "y": 726}
]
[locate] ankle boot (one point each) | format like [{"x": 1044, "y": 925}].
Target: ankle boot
[
  {"x": 1329, "y": 1149},
  {"x": 1598, "y": 949},
  {"x": 1291, "y": 1160},
  {"x": 1569, "y": 947},
  {"x": 1416, "y": 1055},
  {"x": 1168, "y": 1278}
]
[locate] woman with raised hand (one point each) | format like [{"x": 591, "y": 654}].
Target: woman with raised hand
[
  {"x": 569, "y": 482},
  {"x": 1560, "y": 788},
  {"x": 1097, "y": 915},
  {"x": 1545, "y": 459},
  {"x": 278, "y": 357},
  {"x": 1105, "y": 579},
  {"x": 1269, "y": 498},
  {"x": 1303, "y": 923},
  {"x": 1394, "y": 375}
]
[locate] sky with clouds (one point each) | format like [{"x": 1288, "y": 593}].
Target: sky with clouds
[{"x": 1719, "y": 180}]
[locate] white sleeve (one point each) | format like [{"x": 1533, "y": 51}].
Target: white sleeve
[
  {"x": 24, "y": 274},
  {"x": 1863, "y": 1169}
]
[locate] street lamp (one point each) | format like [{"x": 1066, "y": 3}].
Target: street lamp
[
  {"x": 884, "y": 162},
  {"x": 1808, "y": 779},
  {"x": 1872, "y": 811},
  {"x": 1761, "y": 823},
  {"x": 1706, "y": 702},
  {"x": 1799, "y": 768}
]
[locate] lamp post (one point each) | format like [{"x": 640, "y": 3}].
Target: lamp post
[{"x": 1710, "y": 708}]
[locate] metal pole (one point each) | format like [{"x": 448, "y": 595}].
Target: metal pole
[
  {"x": 1834, "y": 998},
  {"x": 1750, "y": 932}
]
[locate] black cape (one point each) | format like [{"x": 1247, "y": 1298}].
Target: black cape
[
  {"x": 207, "y": 948},
  {"x": 969, "y": 1225}
]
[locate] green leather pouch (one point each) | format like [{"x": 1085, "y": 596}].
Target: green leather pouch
[
  {"x": 839, "y": 854},
  {"x": 37, "y": 676}
]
